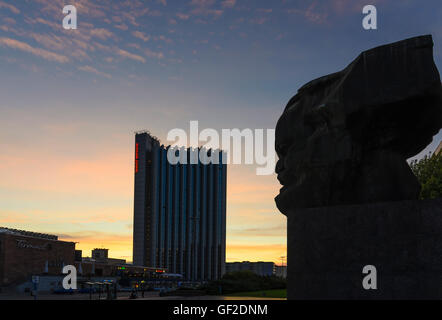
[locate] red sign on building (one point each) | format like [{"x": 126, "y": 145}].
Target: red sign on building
[{"x": 136, "y": 158}]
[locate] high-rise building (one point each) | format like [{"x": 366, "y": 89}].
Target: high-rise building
[{"x": 179, "y": 211}]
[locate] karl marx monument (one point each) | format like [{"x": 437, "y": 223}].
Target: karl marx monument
[{"x": 349, "y": 195}]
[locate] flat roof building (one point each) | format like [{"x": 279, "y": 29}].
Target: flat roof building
[
  {"x": 25, "y": 253},
  {"x": 179, "y": 211},
  {"x": 281, "y": 271}
]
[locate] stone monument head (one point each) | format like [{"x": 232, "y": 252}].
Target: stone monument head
[{"x": 344, "y": 138}]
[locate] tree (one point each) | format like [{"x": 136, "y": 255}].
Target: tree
[
  {"x": 243, "y": 281},
  {"x": 428, "y": 171}
]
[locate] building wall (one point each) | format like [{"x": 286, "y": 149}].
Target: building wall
[
  {"x": 23, "y": 256},
  {"x": 100, "y": 253},
  {"x": 281, "y": 271},
  {"x": 179, "y": 212},
  {"x": 139, "y": 202}
]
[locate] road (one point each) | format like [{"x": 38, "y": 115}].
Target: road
[{"x": 121, "y": 296}]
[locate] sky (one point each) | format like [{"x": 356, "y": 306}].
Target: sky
[{"x": 71, "y": 100}]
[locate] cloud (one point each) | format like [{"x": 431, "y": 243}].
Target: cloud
[
  {"x": 9, "y": 6},
  {"x": 86, "y": 7},
  {"x": 349, "y": 6},
  {"x": 134, "y": 45},
  {"x": 163, "y": 38},
  {"x": 228, "y": 3},
  {"x": 202, "y": 3},
  {"x": 141, "y": 35},
  {"x": 269, "y": 231},
  {"x": 260, "y": 20},
  {"x": 264, "y": 10},
  {"x": 122, "y": 26},
  {"x": 250, "y": 252},
  {"x": 101, "y": 33},
  {"x": 204, "y": 7},
  {"x": 131, "y": 19},
  {"x": 80, "y": 54},
  {"x": 48, "y": 55},
  {"x": 119, "y": 244},
  {"x": 154, "y": 13},
  {"x": 318, "y": 12},
  {"x": 81, "y": 235},
  {"x": 312, "y": 13},
  {"x": 126, "y": 54},
  {"x": 183, "y": 16},
  {"x": 50, "y": 41},
  {"x": 75, "y": 48},
  {"x": 95, "y": 71},
  {"x": 152, "y": 54},
  {"x": 48, "y": 23},
  {"x": 9, "y": 20}
]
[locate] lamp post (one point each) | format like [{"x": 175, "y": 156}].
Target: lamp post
[
  {"x": 99, "y": 290},
  {"x": 90, "y": 289},
  {"x": 282, "y": 260}
]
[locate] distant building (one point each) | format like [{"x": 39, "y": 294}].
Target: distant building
[
  {"x": 78, "y": 255},
  {"x": 102, "y": 256},
  {"x": 179, "y": 211},
  {"x": 260, "y": 268},
  {"x": 24, "y": 254},
  {"x": 281, "y": 271}
]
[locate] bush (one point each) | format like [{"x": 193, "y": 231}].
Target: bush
[
  {"x": 428, "y": 171},
  {"x": 241, "y": 281}
]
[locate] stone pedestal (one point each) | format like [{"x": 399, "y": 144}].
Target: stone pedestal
[{"x": 328, "y": 248}]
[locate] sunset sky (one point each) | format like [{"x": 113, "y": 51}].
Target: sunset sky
[{"x": 70, "y": 100}]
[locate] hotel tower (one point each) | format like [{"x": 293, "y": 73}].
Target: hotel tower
[{"x": 179, "y": 211}]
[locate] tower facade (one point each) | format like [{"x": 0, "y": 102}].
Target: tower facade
[{"x": 179, "y": 211}]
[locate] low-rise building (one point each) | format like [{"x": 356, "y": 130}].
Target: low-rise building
[
  {"x": 24, "y": 253},
  {"x": 281, "y": 271}
]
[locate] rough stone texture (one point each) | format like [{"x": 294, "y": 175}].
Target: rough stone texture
[
  {"x": 344, "y": 138},
  {"x": 328, "y": 248}
]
